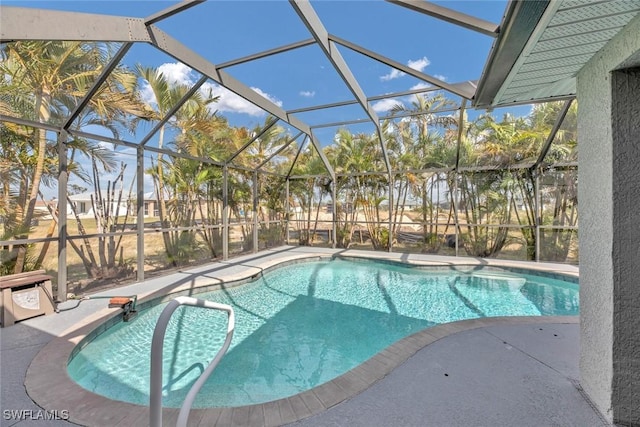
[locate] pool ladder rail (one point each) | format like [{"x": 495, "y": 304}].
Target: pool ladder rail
[{"x": 155, "y": 398}]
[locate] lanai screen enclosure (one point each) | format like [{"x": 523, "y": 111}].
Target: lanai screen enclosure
[
  {"x": 137, "y": 139},
  {"x": 122, "y": 154}
]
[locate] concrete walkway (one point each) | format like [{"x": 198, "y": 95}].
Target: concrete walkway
[
  {"x": 509, "y": 375},
  {"x": 491, "y": 372}
]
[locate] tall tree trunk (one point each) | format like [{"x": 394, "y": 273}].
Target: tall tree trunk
[
  {"x": 50, "y": 231},
  {"x": 162, "y": 206},
  {"x": 43, "y": 116}
]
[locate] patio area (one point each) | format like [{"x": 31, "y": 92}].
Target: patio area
[
  {"x": 232, "y": 139},
  {"x": 489, "y": 372}
]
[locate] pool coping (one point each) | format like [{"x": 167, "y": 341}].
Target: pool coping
[{"x": 49, "y": 385}]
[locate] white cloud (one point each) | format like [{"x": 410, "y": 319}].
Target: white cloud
[
  {"x": 104, "y": 145},
  {"x": 175, "y": 73},
  {"x": 266, "y": 95},
  {"x": 231, "y": 103},
  {"x": 425, "y": 85},
  {"x": 393, "y": 74},
  {"x": 308, "y": 93},
  {"x": 418, "y": 65},
  {"x": 385, "y": 105},
  {"x": 125, "y": 153},
  {"x": 178, "y": 73},
  {"x": 147, "y": 95},
  {"x": 421, "y": 85}
]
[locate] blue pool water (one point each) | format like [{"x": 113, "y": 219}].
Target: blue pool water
[{"x": 302, "y": 325}]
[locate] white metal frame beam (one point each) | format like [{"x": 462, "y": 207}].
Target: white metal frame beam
[
  {"x": 552, "y": 134},
  {"x": 174, "y": 110},
  {"x": 278, "y": 151},
  {"x": 369, "y": 99},
  {"x": 464, "y": 89},
  {"x": 269, "y": 125},
  {"x": 449, "y": 15},
  {"x": 182, "y": 53},
  {"x": 37, "y": 24},
  {"x": 315, "y": 26},
  {"x": 266, "y": 53},
  {"x": 295, "y": 159},
  {"x": 388, "y": 117},
  {"x": 171, "y": 10},
  {"x": 113, "y": 63},
  {"x": 19, "y": 23},
  {"x": 460, "y": 133},
  {"x": 30, "y": 123}
]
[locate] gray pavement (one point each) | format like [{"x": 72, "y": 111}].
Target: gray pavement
[{"x": 510, "y": 373}]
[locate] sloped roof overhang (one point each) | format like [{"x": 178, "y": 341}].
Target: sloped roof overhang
[
  {"x": 519, "y": 22},
  {"x": 543, "y": 45}
]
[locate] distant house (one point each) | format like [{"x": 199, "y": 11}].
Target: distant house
[
  {"x": 42, "y": 210},
  {"x": 150, "y": 205},
  {"x": 84, "y": 207}
]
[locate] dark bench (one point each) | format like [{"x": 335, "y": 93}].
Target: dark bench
[{"x": 25, "y": 295}]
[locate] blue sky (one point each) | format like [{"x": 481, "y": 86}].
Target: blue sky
[{"x": 223, "y": 30}]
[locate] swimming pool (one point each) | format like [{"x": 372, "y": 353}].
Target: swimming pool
[{"x": 302, "y": 325}]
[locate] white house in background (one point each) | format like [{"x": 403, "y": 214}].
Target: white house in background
[{"x": 84, "y": 207}]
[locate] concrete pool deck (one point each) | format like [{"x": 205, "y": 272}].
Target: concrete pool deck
[{"x": 491, "y": 371}]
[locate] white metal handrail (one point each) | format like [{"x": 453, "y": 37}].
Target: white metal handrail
[{"x": 157, "y": 343}]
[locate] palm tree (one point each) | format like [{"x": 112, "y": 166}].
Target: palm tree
[
  {"x": 507, "y": 190},
  {"x": 175, "y": 179},
  {"x": 44, "y": 81},
  {"x": 487, "y": 197},
  {"x": 418, "y": 143},
  {"x": 423, "y": 113},
  {"x": 558, "y": 186},
  {"x": 265, "y": 145},
  {"x": 304, "y": 192},
  {"x": 165, "y": 96},
  {"x": 265, "y": 140},
  {"x": 354, "y": 156}
]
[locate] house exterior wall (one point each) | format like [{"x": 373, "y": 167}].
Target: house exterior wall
[{"x": 609, "y": 194}]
